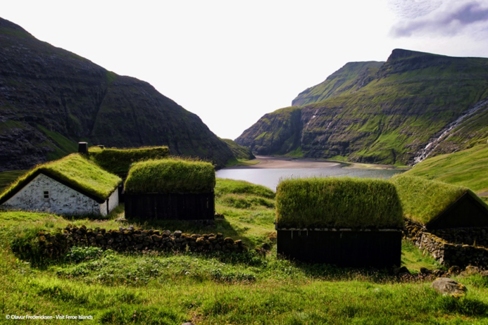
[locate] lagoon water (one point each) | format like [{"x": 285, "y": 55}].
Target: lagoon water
[{"x": 270, "y": 177}]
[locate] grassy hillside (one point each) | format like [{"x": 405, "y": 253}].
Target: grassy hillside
[
  {"x": 240, "y": 152},
  {"x": 255, "y": 288},
  {"x": 348, "y": 79},
  {"x": 277, "y": 132},
  {"x": 465, "y": 168},
  {"x": 51, "y": 98},
  {"x": 412, "y": 97}
]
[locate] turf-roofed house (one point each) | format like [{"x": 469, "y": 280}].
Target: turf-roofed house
[
  {"x": 450, "y": 222},
  {"x": 119, "y": 160},
  {"x": 69, "y": 186},
  {"x": 341, "y": 221},
  {"x": 170, "y": 189}
]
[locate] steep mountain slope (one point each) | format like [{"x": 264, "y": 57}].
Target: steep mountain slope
[
  {"x": 351, "y": 77},
  {"x": 51, "y": 98},
  {"x": 411, "y": 98}
]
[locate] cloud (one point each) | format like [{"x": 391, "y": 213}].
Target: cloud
[{"x": 448, "y": 19}]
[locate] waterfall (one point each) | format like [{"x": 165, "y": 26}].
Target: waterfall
[{"x": 444, "y": 133}]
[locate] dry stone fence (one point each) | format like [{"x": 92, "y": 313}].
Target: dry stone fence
[
  {"x": 451, "y": 246},
  {"x": 136, "y": 240}
]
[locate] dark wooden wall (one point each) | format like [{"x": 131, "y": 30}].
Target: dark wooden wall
[
  {"x": 190, "y": 206},
  {"x": 342, "y": 248}
]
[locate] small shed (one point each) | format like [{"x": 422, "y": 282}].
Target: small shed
[
  {"x": 170, "y": 189},
  {"x": 438, "y": 205},
  {"x": 341, "y": 221},
  {"x": 70, "y": 186}
]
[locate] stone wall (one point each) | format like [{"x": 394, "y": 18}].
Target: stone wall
[
  {"x": 450, "y": 254},
  {"x": 468, "y": 236},
  {"x": 134, "y": 240},
  {"x": 457, "y": 246}
]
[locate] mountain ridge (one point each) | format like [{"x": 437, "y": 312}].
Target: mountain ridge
[
  {"x": 406, "y": 101},
  {"x": 51, "y": 98}
]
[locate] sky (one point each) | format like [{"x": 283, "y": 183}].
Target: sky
[{"x": 231, "y": 61}]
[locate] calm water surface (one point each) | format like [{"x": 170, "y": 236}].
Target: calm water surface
[{"x": 270, "y": 177}]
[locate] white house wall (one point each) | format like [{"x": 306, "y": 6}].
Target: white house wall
[
  {"x": 61, "y": 199},
  {"x": 113, "y": 202}
]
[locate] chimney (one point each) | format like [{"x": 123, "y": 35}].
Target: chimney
[{"x": 83, "y": 148}]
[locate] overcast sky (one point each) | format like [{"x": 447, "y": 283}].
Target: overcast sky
[{"x": 231, "y": 62}]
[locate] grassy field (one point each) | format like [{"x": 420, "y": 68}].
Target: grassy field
[{"x": 253, "y": 288}]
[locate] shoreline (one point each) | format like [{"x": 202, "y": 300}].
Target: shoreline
[{"x": 263, "y": 162}]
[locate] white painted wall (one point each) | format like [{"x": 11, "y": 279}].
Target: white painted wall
[
  {"x": 113, "y": 202},
  {"x": 61, "y": 199}
]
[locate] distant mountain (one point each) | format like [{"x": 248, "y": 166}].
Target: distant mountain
[
  {"x": 382, "y": 112},
  {"x": 51, "y": 98}
]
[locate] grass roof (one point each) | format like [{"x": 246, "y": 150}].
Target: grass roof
[
  {"x": 73, "y": 170},
  {"x": 118, "y": 160},
  {"x": 423, "y": 200},
  {"x": 337, "y": 202},
  {"x": 170, "y": 176}
]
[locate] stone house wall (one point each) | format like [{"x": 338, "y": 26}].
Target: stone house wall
[{"x": 46, "y": 194}]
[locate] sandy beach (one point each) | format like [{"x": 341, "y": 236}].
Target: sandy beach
[
  {"x": 273, "y": 162},
  {"x": 277, "y": 162}
]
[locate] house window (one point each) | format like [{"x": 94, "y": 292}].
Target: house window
[{"x": 46, "y": 194}]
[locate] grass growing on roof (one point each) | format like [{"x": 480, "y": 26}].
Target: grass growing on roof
[
  {"x": 118, "y": 161},
  {"x": 75, "y": 170},
  {"x": 422, "y": 199},
  {"x": 337, "y": 202},
  {"x": 170, "y": 176}
]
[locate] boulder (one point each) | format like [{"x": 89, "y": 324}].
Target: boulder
[{"x": 449, "y": 287}]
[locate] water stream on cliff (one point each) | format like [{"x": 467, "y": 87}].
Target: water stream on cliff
[{"x": 444, "y": 133}]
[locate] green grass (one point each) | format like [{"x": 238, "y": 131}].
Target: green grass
[
  {"x": 240, "y": 152},
  {"x": 255, "y": 288},
  {"x": 118, "y": 160},
  {"x": 8, "y": 177},
  {"x": 170, "y": 176},
  {"x": 422, "y": 200},
  {"x": 63, "y": 146},
  {"x": 75, "y": 170},
  {"x": 337, "y": 202},
  {"x": 467, "y": 168}
]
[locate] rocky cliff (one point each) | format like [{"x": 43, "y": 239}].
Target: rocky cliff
[
  {"x": 51, "y": 98},
  {"x": 377, "y": 112}
]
